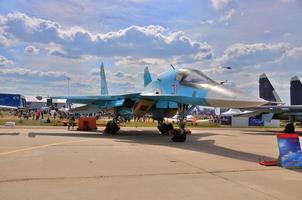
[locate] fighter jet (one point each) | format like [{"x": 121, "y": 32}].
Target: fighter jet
[
  {"x": 292, "y": 113},
  {"x": 175, "y": 91}
]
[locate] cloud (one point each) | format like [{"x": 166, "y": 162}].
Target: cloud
[
  {"x": 228, "y": 15},
  {"x": 131, "y": 60},
  {"x": 33, "y": 75},
  {"x": 75, "y": 42},
  {"x": 222, "y": 19},
  {"x": 219, "y": 4},
  {"x": 207, "y": 22},
  {"x": 31, "y": 50},
  {"x": 294, "y": 52},
  {"x": 4, "y": 61},
  {"x": 255, "y": 55}
]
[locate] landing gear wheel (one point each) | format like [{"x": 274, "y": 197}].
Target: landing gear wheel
[
  {"x": 165, "y": 128},
  {"x": 112, "y": 128},
  {"x": 179, "y": 135},
  {"x": 289, "y": 128}
]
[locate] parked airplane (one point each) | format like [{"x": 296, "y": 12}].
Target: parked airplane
[
  {"x": 178, "y": 90},
  {"x": 234, "y": 112},
  {"x": 292, "y": 113},
  {"x": 12, "y": 101}
]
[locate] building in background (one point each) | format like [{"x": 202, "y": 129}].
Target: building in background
[{"x": 36, "y": 104}]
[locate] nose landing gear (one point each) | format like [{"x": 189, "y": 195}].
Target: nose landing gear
[{"x": 180, "y": 135}]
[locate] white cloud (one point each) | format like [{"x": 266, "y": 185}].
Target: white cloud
[
  {"x": 209, "y": 22},
  {"x": 27, "y": 73},
  {"x": 75, "y": 42},
  {"x": 219, "y": 4},
  {"x": 294, "y": 52},
  {"x": 228, "y": 15},
  {"x": 4, "y": 41},
  {"x": 255, "y": 55},
  {"x": 130, "y": 60},
  {"x": 4, "y": 61},
  {"x": 31, "y": 50}
]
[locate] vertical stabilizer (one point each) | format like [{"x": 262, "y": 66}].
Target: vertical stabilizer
[
  {"x": 103, "y": 82},
  {"x": 266, "y": 90},
  {"x": 295, "y": 91},
  {"x": 147, "y": 77}
]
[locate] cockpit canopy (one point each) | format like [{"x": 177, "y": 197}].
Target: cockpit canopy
[{"x": 193, "y": 77}]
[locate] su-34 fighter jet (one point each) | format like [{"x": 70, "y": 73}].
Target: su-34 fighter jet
[{"x": 178, "y": 90}]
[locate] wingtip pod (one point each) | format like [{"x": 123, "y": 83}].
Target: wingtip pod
[
  {"x": 147, "y": 77},
  {"x": 295, "y": 91}
]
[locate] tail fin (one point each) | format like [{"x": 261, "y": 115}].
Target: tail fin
[
  {"x": 266, "y": 90},
  {"x": 103, "y": 82},
  {"x": 147, "y": 77},
  {"x": 295, "y": 91}
]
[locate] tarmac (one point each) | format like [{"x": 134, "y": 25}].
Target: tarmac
[{"x": 138, "y": 163}]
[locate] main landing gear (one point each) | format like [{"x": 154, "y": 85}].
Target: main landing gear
[
  {"x": 289, "y": 128},
  {"x": 164, "y": 128},
  {"x": 180, "y": 134},
  {"x": 112, "y": 126}
]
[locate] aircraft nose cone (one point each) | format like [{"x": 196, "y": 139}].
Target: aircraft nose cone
[{"x": 223, "y": 96}]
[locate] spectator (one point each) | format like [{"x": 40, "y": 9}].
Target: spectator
[{"x": 71, "y": 121}]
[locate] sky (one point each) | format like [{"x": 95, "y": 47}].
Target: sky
[{"x": 43, "y": 43}]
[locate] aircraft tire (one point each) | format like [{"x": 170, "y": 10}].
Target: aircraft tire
[
  {"x": 289, "y": 128},
  {"x": 179, "y": 135},
  {"x": 165, "y": 128},
  {"x": 112, "y": 128},
  {"x": 170, "y": 127}
]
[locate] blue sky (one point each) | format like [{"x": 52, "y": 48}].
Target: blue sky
[{"x": 44, "y": 42}]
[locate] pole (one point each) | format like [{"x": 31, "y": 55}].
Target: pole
[{"x": 68, "y": 79}]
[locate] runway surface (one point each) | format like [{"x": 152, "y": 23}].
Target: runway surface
[{"x": 138, "y": 163}]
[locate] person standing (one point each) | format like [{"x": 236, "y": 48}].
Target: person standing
[{"x": 71, "y": 121}]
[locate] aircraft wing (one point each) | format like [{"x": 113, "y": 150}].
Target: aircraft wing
[
  {"x": 174, "y": 98},
  {"x": 107, "y": 101},
  {"x": 8, "y": 107},
  {"x": 288, "y": 110},
  {"x": 249, "y": 114},
  {"x": 277, "y": 108}
]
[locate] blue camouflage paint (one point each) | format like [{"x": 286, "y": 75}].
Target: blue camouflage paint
[{"x": 166, "y": 84}]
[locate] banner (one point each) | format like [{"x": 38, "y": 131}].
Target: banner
[{"x": 290, "y": 155}]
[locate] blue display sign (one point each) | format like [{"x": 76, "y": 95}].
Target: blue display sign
[
  {"x": 290, "y": 155},
  {"x": 13, "y": 100}
]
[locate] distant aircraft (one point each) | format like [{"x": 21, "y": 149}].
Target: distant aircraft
[
  {"x": 178, "y": 90},
  {"x": 234, "y": 112},
  {"x": 12, "y": 101},
  {"x": 292, "y": 113}
]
